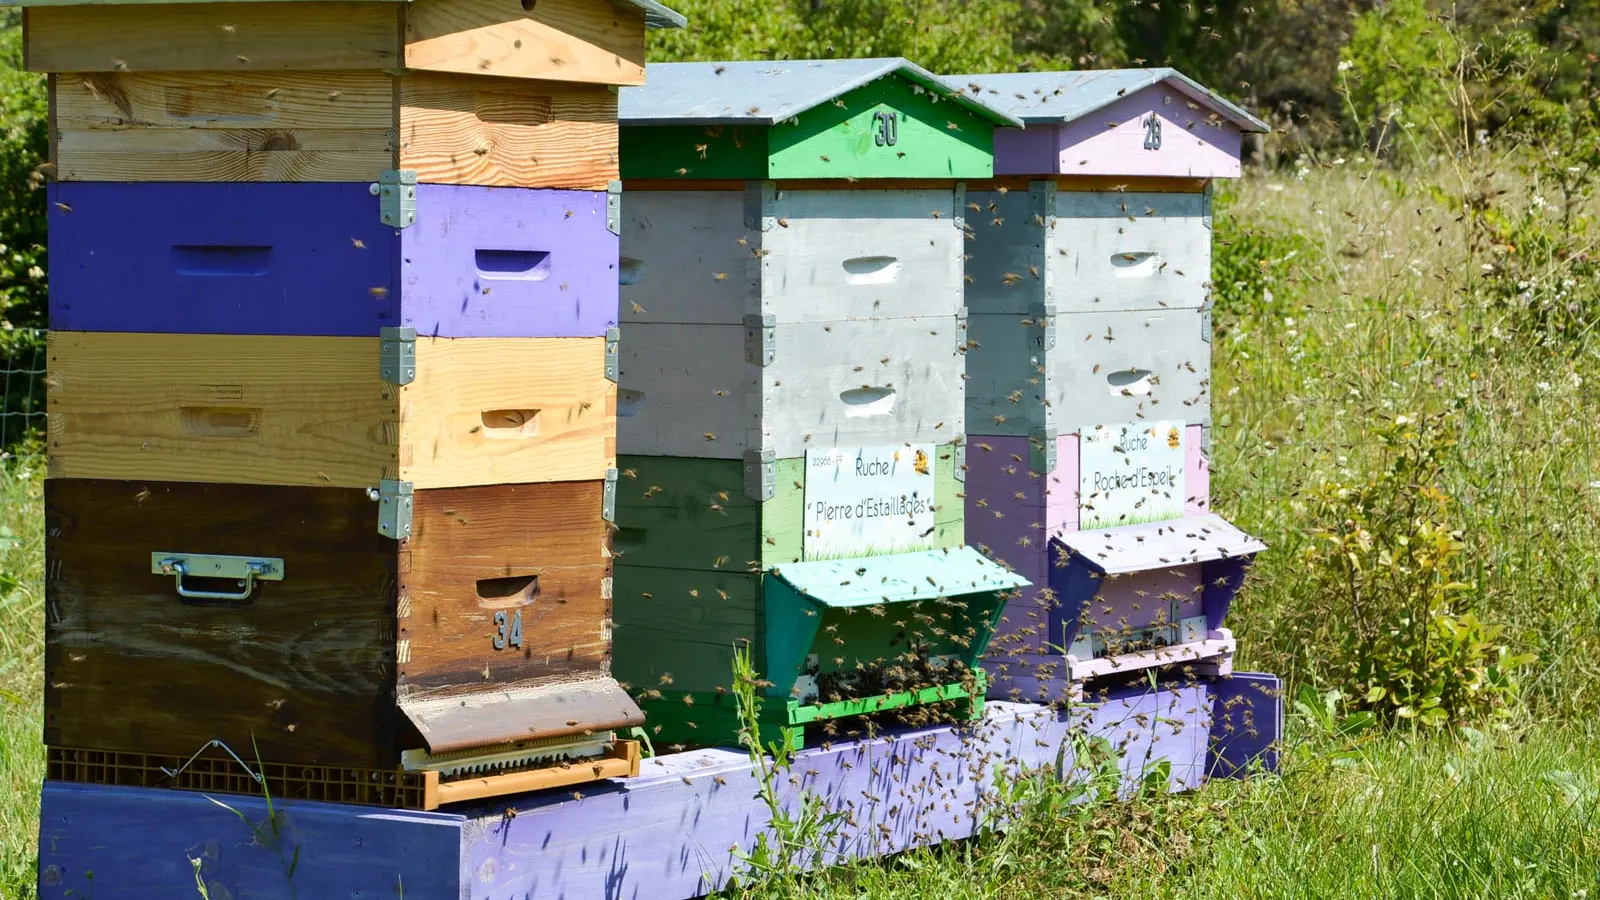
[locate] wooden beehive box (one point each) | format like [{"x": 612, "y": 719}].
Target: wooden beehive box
[
  {"x": 331, "y": 411},
  {"x": 320, "y": 259},
  {"x": 1089, "y": 372},
  {"x": 459, "y": 91},
  {"x": 288, "y": 623},
  {"x": 835, "y": 639}
]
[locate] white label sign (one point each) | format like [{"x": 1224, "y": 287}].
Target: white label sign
[
  {"x": 868, "y": 501},
  {"x": 1129, "y": 474}
]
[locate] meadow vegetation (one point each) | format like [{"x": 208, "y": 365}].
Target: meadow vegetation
[{"x": 1406, "y": 401}]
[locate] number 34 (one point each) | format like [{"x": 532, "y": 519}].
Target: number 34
[{"x": 515, "y": 637}]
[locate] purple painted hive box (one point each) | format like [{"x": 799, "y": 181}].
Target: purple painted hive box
[
  {"x": 665, "y": 835},
  {"x": 319, "y": 259}
]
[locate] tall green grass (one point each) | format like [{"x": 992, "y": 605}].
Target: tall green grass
[{"x": 21, "y": 672}]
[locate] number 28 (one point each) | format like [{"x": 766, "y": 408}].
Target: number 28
[{"x": 515, "y": 637}]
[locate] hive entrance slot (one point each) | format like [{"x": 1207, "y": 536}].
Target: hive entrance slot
[
  {"x": 871, "y": 270},
  {"x": 1132, "y": 381},
  {"x": 510, "y": 423},
  {"x": 630, "y": 270},
  {"x": 221, "y": 260},
  {"x": 513, "y": 265},
  {"x": 1136, "y": 265},
  {"x": 867, "y": 401},
  {"x": 508, "y": 592},
  {"x": 220, "y": 421}
]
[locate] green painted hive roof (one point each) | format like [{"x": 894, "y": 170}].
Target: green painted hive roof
[
  {"x": 766, "y": 93},
  {"x": 655, "y": 14},
  {"x": 898, "y": 578}
]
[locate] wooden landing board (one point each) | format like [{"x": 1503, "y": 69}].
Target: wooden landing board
[
  {"x": 332, "y": 126},
  {"x": 584, "y": 41},
  {"x": 314, "y": 411},
  {"x": 687, "y": 513},
  {"x": 665, "y": 835},
  {"x": 308, "y": 667}
]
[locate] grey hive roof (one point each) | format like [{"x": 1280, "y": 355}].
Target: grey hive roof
[
  {"x": 766, "y": 93},
  {"x": 1058, "y": 97}
]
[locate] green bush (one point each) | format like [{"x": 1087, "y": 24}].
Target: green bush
[
  {"x": 24, "y": 148},
  {"x": 1386, "y": 557},
  {"x": 1258, "y": 268}
]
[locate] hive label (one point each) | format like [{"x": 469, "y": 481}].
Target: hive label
[
  {"x": 1130, "y": 474},
  {"x": 869, "y": 501}
]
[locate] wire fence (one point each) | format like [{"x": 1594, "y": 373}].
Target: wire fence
[{"x": 22, "y": 400}]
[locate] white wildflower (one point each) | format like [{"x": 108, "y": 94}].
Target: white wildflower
[
  {"x": 1543, "y": 386},
  {"x": 1346, "y": 65},
  {"x": 1539, "y": 202}
]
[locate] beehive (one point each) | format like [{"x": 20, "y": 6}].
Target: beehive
[
  {"x": 1089, "y": 390},
  {"x": 792, "y": 357},
  {"x": 334, "y": 294}
]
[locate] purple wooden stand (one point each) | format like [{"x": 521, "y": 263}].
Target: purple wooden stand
[
  {"x": 665, "y": 835},
  {"x": 314, "y": 259}
]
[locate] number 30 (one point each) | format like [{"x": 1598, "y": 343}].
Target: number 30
[
  {"x": 888, "y": 126},
  {"x": 515, "y": 638}
]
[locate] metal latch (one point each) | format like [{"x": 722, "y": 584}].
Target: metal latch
[
  {"x": 760, "y": 339},
  {"x": 613, "y": 338},
  {"x": 1044, "y": 322},
  {"x": 394, "y": 507},
  {"x": 397, "y": 355},
  {"x": 614, "y": 207},
  {"x": 961, "y": 461},
  {"x": 396, "y": 191},
  {"x": 245, "y": 569},
  {"x": 1042, "y": 450},
  {"x": 608, "y": 498},
  {"x": 1205, "y": 323},
  {"x": 760, "y": 474}
]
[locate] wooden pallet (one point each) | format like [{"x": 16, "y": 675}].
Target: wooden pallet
[{"x": 391, "y": 788}]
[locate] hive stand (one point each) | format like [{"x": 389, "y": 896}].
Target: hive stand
[
  {"x": 671, "y": 833},
  {"x": 791, "y": 284},
  {"x": 333, "y": 404},
  {"x": 1088, "y": 289}
]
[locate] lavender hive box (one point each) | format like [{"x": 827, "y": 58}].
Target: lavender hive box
[
  {"x": 315, "y": 259},
  {"x": 665, "y": 835}
]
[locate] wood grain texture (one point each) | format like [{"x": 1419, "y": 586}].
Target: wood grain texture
[
  {"x": 222, "y": 37},
  {"x": 467, "y": 129},
  {"x": 313, "y": 410},
  {"x": 683, "y": 513},
  {"x": 305, "y": 669},
  {"x": 450, "y": 434},
  {"x": 221, "y": 408},
  {"x": 563, "y": 40},
  {"x": 207, "y": 126},
  {"x": 472, "y": 553}
]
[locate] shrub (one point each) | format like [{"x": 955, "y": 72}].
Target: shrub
[{"x": 1387, "y": 558}]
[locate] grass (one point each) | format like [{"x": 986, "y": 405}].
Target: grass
[
  {"x": 21, "y": 673},
  {"x": 1377, "y": 314}
]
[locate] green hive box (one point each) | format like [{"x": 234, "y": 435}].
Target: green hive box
[{"x": 830, "y": 639}]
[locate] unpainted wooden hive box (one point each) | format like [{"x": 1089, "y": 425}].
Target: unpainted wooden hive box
[{"x": 459, "y": 91}]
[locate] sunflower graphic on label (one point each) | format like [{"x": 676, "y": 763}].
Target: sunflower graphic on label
[
  {"x": 1174, "y": 437},
  {"x": 921, "y": 462}
]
